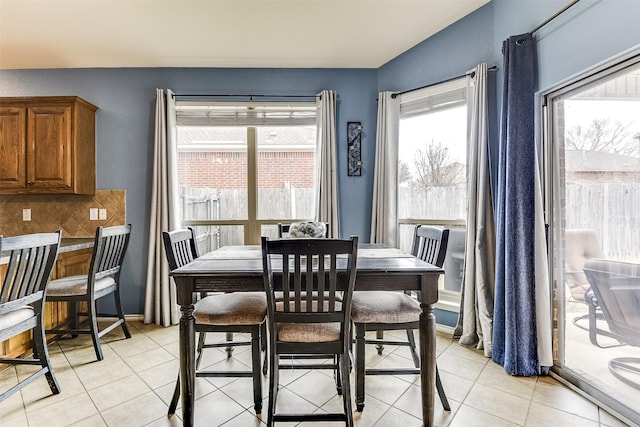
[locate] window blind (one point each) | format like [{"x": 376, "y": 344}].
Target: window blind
[
  {"x": 245, "y": 114},
  {"x": 436, "y": 98}
]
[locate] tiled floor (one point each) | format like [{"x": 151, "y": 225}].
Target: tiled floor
[{"x": 133, "y": 384}]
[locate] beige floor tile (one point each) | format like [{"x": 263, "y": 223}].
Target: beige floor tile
[
  {"x": 97, "y": 374},
  {"x": 165, "y": 421},
  {"x": 14, "y": 418},
  {"x": 165, "y": 373},
  {"x": 374, "y": 409},
  {"x": 493, "y": 401},
  {"x": 466, "y": 416},
  {"x": 551, "y": 393},
  {"x": 289, "y": 402},
  {"x": 455, "y": 387},
  {"x": 138, "y": 411},
  {"x": 131, "y": 347},
  {"x": 543, "y": 416},
  {"x": 494, "y": 375},
  {"x": 215, "y": 409},
  {"x": 241, "y": 391},
  {"x": 387, "y": 388},
  {"x": 467, "y": 353},
  {"x": 149, "y": 359},
  {"x": 245, "y": 419},
  {"x": 461, "y": 366},
  {"x": 314, "y": 387},
  {"x": 63, "y": 413},
  {"x": 395, "y": 417},
  {"x": 135, "y": 382},
  {"x": 608, "y": 420},
  {"x": 411, "y": 403},
  {"x": 117, "y": 392},
  {"x": 94, "y": 421}
]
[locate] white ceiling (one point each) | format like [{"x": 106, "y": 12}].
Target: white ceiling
[{"x": 218, "y": 33}]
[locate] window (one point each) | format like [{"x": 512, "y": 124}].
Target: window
[
  {"x": 243, "y": 168},
  {"x": 432, "y": 181},
  {"x": 593, "y": 159}
]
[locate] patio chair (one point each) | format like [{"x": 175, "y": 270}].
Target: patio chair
[
  {"x": 615, "y": 288},
  {"x": 242, "y": 312},
  {"x": 582, "y": 245},
  {"x": 310, "y": 274},
  {"x": 388, "y": 311},
  {"x": 22, "y": 297},
  {"x": 109, "y": 248}
]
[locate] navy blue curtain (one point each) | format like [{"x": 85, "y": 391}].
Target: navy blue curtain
[{"x": 515, "y": 344}]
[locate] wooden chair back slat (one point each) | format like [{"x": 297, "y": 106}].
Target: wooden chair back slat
[
  {"x": 180, "y": 246},
  {"x": 110, "y": 246},
  {"x": 311, "y": 278},
  {"x": 430, "y": 244},
  {"x": 31, "y": 261}
]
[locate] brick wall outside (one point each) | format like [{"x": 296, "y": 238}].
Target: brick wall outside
[{"x": 228, "y": 170}]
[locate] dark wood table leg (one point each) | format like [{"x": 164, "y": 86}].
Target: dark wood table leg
[
  {"x": 428, "y": 362},
  {"x": 187, "y": 355},
  {"x": 428, "y": 296}
]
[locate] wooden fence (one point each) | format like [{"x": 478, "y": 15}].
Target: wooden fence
[{"x": 612, "y": 209}]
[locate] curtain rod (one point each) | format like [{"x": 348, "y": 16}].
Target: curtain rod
[
  {"x": 472, "y": 74},
  {"x": 220, "y": 95},
  {"x": 555, "y": 15}
]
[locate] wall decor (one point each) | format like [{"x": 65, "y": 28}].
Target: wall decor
[{"x": 354, "y": 138}]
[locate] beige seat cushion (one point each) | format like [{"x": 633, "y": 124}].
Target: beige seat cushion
[
  {"x": 242, "y": 308},
  {"x": 384, "y": 307},
  {"x": 308, "y": 332},
  {"x": 14, "y": 317},
  {"x": 76, "y": 285}
]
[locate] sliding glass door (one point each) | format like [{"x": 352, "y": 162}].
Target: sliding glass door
[{"x": 593, "y": 160}]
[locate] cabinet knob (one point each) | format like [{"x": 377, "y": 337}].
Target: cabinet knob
[{"x": 29, "y": 183}]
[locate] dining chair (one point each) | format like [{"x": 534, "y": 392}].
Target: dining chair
[
  {"x": 84, "y": 291},
  {"x": 388, "y": 311},
  {"x": 310, "y": 319},
  {"x": 22, "y": 296},
  {"x": 241, "y": 312}
]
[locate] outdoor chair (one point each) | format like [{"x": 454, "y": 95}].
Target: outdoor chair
[
  {"x": 582, "y": 245},
  {"x": 22, "y": 296},
  {"x": 242, "y": 312},
  {"x": 310, "y": 275},
  {"x": 84, "y": 291},
  {"x": 615, "y": 289},
  {"x": 389, "y": 311}
]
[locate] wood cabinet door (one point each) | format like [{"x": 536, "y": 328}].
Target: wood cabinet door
[
  {"x": 49, "y": 149},
  {"x": 12, "y": 147}
]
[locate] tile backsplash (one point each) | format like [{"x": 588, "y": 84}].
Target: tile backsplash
[{"x": 67, "y": 212}]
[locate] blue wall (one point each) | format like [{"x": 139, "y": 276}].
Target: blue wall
[{"x": 589, "y": 33}]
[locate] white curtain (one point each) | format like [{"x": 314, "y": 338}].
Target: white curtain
[
  {"x": 543, "y": 298},
  {"x": 326, "y": 173},
  {"x": 384, "y": 206},
  {"x": 160, "y": 298},
  {"x": 475, "y": 323}
]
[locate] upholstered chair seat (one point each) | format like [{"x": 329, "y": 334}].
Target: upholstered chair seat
[
  {"x": 384, "y": 307},
  {"x": 247, "y": 308},
  {"x": 77, "y": 285}
]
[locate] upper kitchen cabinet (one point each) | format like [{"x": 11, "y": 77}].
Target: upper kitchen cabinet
[{"x": 47, "y": 145}]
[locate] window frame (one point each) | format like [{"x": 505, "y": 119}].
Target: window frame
[
  {"x": 432, "y": 99},
  {"x": 249, "y": 115}
]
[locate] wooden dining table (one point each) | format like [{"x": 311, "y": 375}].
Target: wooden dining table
[{"x": 239, "y": 269}]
